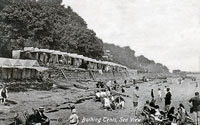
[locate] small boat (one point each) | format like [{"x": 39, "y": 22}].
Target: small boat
[
  {"x": 80, "y": 86},
  {"x": 63, "y": 84}
]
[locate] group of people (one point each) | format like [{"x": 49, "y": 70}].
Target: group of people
[
  {"x": 152, "y": 110},
  {"x": 38, "y": 118},
  {"x": 168, "y": 115},
  {"x": 159, "y": 96},
  {"x": 109, "y": 101},
  {"x": 111, "y": 85},
  {"x": 194, "y": 104}
]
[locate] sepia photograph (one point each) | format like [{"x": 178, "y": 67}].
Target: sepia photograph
[{"x": 99, "y": 62}]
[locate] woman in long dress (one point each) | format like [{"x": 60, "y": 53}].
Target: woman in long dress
[{"x": 4, "y": 94}]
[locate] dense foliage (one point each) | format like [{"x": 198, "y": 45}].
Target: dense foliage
[
  {"x": 3, "y": 3},
  {"x": 126, "y": 56},
  {"x": 58, "y": 2},
  {"x": 49, "y": 26}
]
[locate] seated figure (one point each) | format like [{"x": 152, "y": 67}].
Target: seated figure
[
  {"x": 33, "y": 118},
  {"x": 120, "y": 102}
]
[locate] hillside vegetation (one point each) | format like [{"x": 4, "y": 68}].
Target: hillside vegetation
[{"x": 126, "y": 56}]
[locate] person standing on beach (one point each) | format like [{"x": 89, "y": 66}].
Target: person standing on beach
[
  {"x": 135, "y": 98},
  {"x": 195, "y": 107},
  {"x": 4, "y": 94},
  {"x": 196, "y": 84},
  {"x": 159, "y": 94},
  {"x": 125, "y": 82},
  {"x": 165, "y": 90},
  {"x": 152, "y": 94},
  {"x": 134, "y": 82},
  {"x": 168, "y": 98}
]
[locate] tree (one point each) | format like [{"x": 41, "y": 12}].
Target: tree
[{"x": 50, "y": 26}]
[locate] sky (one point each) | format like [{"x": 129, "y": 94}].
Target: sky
[{"x": 167, "y": 31}]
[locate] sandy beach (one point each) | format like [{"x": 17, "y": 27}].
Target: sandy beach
[{"x": 56, "y": 103}]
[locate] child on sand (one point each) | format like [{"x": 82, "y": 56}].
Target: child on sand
[
  {"x": 159, "y": 94},
  {"x": 196, "y": 84},
  {"x": 135, "y": 98},
  {"x": 107, "y": 103},
  {"x": 165, "y": 90},
  {"x": 73, "y": 119}
]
